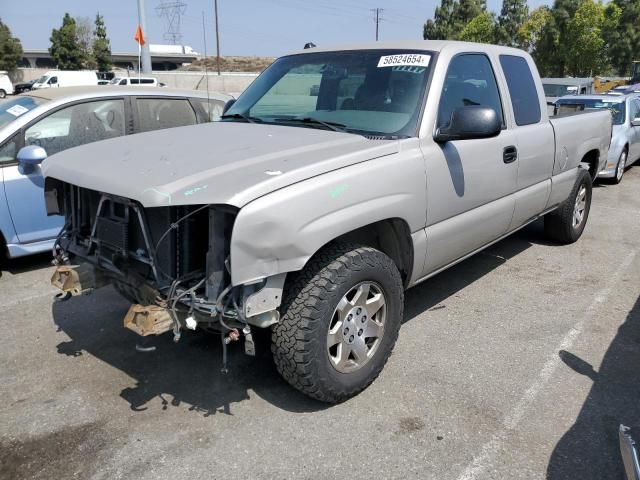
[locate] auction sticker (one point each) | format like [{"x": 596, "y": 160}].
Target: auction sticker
[
  {"x": 404, "y": 59},
  {"x": 17, "y": 110}
]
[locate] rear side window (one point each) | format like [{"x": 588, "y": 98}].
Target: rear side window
[
  {"x": 159, "y": 113},
  {"x": 522, "y": 88},
  {"x": 470, "y": 81}
]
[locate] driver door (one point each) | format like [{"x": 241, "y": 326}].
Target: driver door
[{"x": 57, "y": 131}]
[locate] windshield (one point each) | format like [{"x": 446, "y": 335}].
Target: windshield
[
  {"x": 553, "y": 90},
  {"x": 374, "y": 92},
  {"x": 17, "y": 106},
  {"x": 617, "y": 109},
  {"x": 115, "y": 81},
  {"x": 43, "y": 79}
]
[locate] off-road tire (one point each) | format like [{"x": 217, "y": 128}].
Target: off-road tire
[
  {"x": 558, "y": 225},
  {"x": 298, "y": 341}
]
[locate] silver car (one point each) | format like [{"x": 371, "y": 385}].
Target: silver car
[
  {"x": 58, "y": 119},
  {"x": 625, "y": 141}
]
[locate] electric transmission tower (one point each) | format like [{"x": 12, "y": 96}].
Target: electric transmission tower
[{"x": 171, "y": 11}]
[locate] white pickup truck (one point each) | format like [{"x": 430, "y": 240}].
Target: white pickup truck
[{"x": 339, "y": 178}]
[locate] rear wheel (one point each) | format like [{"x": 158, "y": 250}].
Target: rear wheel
[
  {"x": 567, "y": 222},
  {"x": 3, "y": 94},
  {"x": 340, "y": 320}
]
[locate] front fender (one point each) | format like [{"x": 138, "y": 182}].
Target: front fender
[{"x": 279, "y": 232}]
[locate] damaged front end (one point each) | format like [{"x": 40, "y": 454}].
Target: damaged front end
[{"x": 171, "y": 262}]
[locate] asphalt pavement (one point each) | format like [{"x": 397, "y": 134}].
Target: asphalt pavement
[{"x": 519, "y": 363}]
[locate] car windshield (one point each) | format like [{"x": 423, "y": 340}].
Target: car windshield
[
  {"x": 17, "y": 106},
  {"x": 115, "y": 81},
  {"x": 372, "y": 92},
  {"x": 617, "y": 109},
  {"x": 43, "y": 79},
  {"x": 554, "y": 90}
]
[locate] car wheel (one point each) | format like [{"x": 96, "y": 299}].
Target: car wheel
[
  {"x": 3, "y": 94},
  {"x": 567, "y": 222},
  {"x": 622, "y": 163},
  {"x": 340, "y": 320}
]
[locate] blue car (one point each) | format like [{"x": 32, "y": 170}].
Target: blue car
[{"x": 45, "y": 122}]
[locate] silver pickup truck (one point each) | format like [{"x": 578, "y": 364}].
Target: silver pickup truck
[{"x": 340, "y": 178}]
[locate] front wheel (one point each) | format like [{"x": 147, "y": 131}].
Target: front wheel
[
  {"x": 3, "y": 94},
  {"x": 340, "y": 320},
  {"x": 567, "y": 222},
  {"x": 622, "y": 163}
]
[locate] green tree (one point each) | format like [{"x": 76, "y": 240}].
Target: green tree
[
  {"x": 513, "y": 15},
  {"x": 64, "y": 50},
  {"x": 481, "y": 29},
  {"x": 451, "y": 17},
  {"x": 531, "y": 30},
  {"x": 101, "y": 46},
  {"x": 550, "y": 52},
  {"x": 464, "y": 11},
  {"x": 586, "y": 52},
  {"x": 624, "y": 42},
  {"x": 10, "y": 49},
  {"x": 440, "y": 27}
]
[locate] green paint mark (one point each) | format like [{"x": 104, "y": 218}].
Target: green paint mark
[
  {"x": 338, "y": 190},
  {"x": 159, "y": 192},
  {"x": 193, "y": 190}
]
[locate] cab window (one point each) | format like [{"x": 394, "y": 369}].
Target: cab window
[{"x": 470, "y": 81}]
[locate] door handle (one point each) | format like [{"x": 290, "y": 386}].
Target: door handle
[{"x": 509, "y": 154}]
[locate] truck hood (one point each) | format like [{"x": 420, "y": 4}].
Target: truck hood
[{"x": 222, "y": 162}]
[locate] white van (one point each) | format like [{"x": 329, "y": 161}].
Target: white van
[
  {"x": 66, "y": 78},
  {"x": 6, "y": 87},
  {"x": 146, "y": 81}
]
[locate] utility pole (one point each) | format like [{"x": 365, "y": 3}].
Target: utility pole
[
  {"x": 377, "y": 19},
  {"x": 144, "y": 53},
  {"x": 215, "y": 7}
]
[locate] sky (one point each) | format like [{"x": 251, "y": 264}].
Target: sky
[{"x": 247, "y": 27}]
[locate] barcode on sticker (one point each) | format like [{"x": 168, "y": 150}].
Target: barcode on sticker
[
  {"x": 17, "y": 110},
  {"x": 405, "y": 59}
]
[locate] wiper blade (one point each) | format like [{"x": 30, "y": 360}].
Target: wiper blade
[
  {"x": 336, "y": 127},
  {"x": 239, "y": 116}
]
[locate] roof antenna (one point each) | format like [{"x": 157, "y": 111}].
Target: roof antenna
[{"x": 206, "y": 73}]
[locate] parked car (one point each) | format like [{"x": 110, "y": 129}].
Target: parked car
[
  {"x": 555, "y": 88},
  {"x": 625, "y": 141},
  {"x": 65, "y": 78},
  {"x": 58, "y": 119},
  {"x": 312, "y": 214},
  {"x": 19, "y": 88},
  {"x": 6, "y": 87},
  {"x": 146, "y": 81}
]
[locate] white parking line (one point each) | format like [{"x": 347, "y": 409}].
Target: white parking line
[{"x": 484, "y": 459}]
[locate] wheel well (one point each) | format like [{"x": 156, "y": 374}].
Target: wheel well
[
  {"x": 592, "y": 159},
  {"x": 392, "y": 237},
  {"x": 4, "y": 252}
]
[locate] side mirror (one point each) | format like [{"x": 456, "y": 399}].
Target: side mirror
[
  {"x": 472, "y": 121},
  {"x": 30, "y": 156},
  {"x": 635, "y": 122},
  {"x": 228, "y": 105}
]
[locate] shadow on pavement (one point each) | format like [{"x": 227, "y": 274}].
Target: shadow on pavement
[
  {"x": 25, "y": 264},
  {"x": 590, "y": 448},
  {"x": 189, "y": 372}
]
